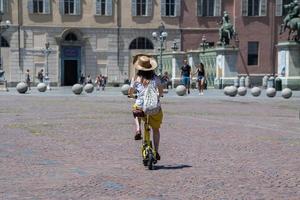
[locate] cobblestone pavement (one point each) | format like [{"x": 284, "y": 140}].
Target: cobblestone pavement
[{"x": 58, "y": 146}]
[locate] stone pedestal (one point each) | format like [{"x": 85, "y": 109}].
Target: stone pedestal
[
  {"x": 3, "y": 86},
  {"x": 226, "y": 70},
  {"x": 288, "y": 67},
  {"x": 3, "y": 82}
]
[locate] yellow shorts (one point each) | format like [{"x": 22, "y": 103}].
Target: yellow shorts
[{"x": 154, "y": 120}]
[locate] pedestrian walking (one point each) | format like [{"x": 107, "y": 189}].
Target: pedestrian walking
[
  {"x": 41, "y": 76},
  {"x": 82, "y": 79},
  {"x": 27, "y": 79},
  {"x": 98, "y": 82},
  {"x": 186, "y": 75},
  {"x": 166, "y": 80},
  {"x": 88, "y": 80},
  {"x": 200, "y": 71},
  {"x": 103, "y": 82}
]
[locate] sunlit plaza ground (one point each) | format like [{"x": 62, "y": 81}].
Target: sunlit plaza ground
[{"x": 60, "y": 146}]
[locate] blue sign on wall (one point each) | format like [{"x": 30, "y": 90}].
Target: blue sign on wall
[{"x": 71, "y": 52}]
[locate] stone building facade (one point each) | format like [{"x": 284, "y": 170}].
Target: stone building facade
[{"x": 101, "y": 36}]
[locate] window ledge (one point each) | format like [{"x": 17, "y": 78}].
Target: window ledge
[{"x": 39, "y": 13}]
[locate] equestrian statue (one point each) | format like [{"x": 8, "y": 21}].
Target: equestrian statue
[
  {"x": 226, "y": 31},
  {"x": 292, "y": 20}
]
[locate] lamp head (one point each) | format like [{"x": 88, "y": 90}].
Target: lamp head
[
  {"x": 164, "y": 34},
  {"x": 154, "y": 35},
  {"x": 7, "y": 22}
]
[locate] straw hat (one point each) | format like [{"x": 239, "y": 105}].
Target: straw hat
[{"x": 144, "y": 62}]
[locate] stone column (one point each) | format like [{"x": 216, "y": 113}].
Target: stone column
[
  {"x": 288, "y": 67},
  {"x": 226, "y": 70},
  {"x": 177, "y": 61}
]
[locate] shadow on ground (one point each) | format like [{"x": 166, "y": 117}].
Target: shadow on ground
[{"x": 168, "y": 167}]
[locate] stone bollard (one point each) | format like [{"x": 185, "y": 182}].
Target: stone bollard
[
  {"x": 42, "y": 87},
  {"x": 256, "y": 91},
  {"x": 265, "y": 81},
  {"x": 242, "y": 91},
  {"x": 180, "y": 90},
  {"x": 247, "y": 81},
  {"x": 125, "y": 88},
  {"x": 232, "y": 91},
  {"x": 89, "y": 88},
  {"x": 77, "y": 89},
  {"x": 271, "y": 92},
  {"x": 236, "y": 82},
  {"x": 226, "y": 90},
  {"x": 242, "y": 81},
  {"x": 270, "y": 82},
  {"x": 22, "y": 87},
  {"x": 286, "y": 93}
]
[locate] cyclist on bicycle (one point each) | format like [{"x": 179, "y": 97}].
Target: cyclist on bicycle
[{"x": 145, "y": 65}]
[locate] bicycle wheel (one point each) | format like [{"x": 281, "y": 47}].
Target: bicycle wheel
[{"x": 150, "y": 161}]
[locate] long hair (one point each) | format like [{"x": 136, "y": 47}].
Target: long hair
[
  {"x": 202, "y": 67},
  {"x": 148, "y": 75}
]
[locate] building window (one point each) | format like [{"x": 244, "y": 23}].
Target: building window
[
  {"x": 69, "y": 7},
  {"x": 254, "y": 7},
  {"x": 170, "y": 8},
  {"x": 104, "y": 7},
  {"x": 4, "y": 42},
  {"x": 38, "y": 6},
  {"x": 209, "y": 7},
  {"x": 253, "y": 53},
  {"x": 141, "y": 43},
  {"x": 141, "y": 7}
]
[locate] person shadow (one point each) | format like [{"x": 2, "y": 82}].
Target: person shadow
[{"x": 171, "y": 167}]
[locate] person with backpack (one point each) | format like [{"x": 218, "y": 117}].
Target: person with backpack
[{"x": 149, "y": 90}]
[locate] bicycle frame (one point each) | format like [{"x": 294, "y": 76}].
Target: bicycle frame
[{"x": 148, "y": 152}]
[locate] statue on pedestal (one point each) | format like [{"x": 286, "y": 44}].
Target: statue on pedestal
[
  {"x": 226, "y": 31},
  {"x": 292, "y": 20}
]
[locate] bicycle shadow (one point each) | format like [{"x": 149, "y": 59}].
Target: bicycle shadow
[{"x": 168, "y": 167}]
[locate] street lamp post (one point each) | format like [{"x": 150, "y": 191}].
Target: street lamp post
[
  {"x": 161, "y": 36},
  {"x": 3, "y": 27},
  {"x": 47, "y": 50}
]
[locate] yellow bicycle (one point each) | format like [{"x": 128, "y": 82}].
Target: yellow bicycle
[{"x": 148, "y": 152}]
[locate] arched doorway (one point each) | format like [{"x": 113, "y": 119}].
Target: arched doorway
[{"x": 71, "y": 43}]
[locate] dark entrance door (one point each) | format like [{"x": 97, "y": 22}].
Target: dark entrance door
[
  {"x": 70, "y": 72},
  {"x": 70, "y": 65}
]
